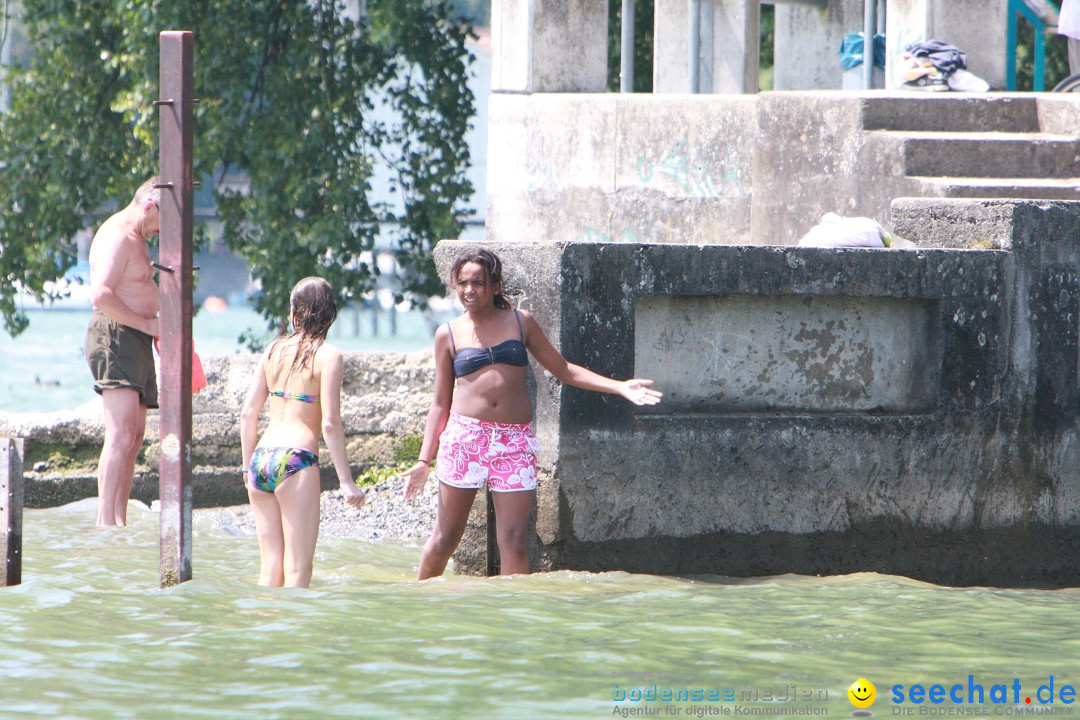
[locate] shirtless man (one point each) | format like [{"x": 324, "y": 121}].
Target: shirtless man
[{"x": 119, "y": 343}]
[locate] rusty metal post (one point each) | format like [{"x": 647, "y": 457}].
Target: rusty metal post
[
  {"x": 11, "y": 504},
  {"x": 175, "y": 253}
]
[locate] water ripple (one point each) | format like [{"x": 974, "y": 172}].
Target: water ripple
[{"x": 90, "y": 635}]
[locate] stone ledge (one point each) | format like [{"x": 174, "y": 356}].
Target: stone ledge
[{"x": 385, "y": 397}]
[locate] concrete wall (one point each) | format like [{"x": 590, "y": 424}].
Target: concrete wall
[
  {"x": 908, "y": 412},
  {"x": 728, "y": 49},
  {"x": 807, "y": 44},
  {"x": 561, "y": 45},
  {"x": 549, "y": 46},
  {"x": 623, "y": 168},
  {"x": 728, "y": 169}
]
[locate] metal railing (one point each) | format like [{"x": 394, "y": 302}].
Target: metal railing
[{"x": 1043, "y": 15}]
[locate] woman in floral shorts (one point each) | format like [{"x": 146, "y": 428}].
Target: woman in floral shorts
[{"x": 480, "y": 420}]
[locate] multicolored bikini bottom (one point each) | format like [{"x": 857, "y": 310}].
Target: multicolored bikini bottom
[{"x": 271, "y": 465}]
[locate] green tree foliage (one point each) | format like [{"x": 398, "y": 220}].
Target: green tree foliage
[
  {"x": 768, "y": 45},
  {"x": 299, "y": 97},
  {"x": 1055, "y": 61}
]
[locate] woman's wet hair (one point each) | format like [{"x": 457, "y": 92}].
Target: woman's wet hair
[
  {"x": 313, "y": 311},
  {"x": 492, "y": 270}
]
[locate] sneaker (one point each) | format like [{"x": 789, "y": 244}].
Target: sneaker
[{"x": 926, "y": 79}]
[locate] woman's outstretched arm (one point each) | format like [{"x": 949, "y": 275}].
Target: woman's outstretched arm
[{"x": 636, "y": 390}]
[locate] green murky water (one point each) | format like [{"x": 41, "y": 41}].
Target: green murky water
[{"x": 89, "y": 635}]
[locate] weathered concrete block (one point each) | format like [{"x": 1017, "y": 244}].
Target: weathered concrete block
[
  {"x": 760, "y": 169},
  {"x": 621, "y": 168},
  {"x": 829, "y": 411},
  {"x": 807, "y": 38},
  {"x": 728, "y": 46},
  {"x": 549, "y": 46},
  {"x": 796, "y": 354}
]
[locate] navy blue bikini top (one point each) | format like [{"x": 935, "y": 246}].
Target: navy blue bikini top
[{"x": 510, "y": 352}]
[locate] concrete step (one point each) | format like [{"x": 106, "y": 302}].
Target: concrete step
[
  {"x": 992, "y": 187},
  {"x": 952, "y": 112},
  {"x": 1000, "y": 155}
]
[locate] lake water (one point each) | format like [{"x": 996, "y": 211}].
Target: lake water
[
  {"x": 89, "y": 635},
  {"x": 44, "y": 368}
]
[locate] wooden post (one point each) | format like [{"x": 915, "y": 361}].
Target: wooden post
[
  {"x": 175, "y": 253},
  {"x": 11, "y": 503}
]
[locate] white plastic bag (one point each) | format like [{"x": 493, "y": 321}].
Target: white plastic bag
[
  {"x": 838, "y": 232},
  {"x": 963, "y": 81}
]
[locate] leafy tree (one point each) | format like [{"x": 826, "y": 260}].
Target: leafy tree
[
  {"x": 304, "y": 99},
  {"x": 1055, "y": 62}
]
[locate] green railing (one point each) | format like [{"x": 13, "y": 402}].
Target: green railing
[{"x": 1042, "y": 14}]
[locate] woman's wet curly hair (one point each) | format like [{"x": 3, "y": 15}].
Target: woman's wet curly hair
[{"x": 313, "y": 311}]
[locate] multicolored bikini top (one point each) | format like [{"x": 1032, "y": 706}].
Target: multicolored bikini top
[
  {"x": 510, "y": 352},
  {"x": 295, "y": 396}
]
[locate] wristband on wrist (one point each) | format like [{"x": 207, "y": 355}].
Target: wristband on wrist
[{"x": 426, "y": 462}]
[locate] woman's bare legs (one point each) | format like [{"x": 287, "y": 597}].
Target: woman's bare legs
[
  {"x": 512, "y": 511},
  {"x": 298, "y": 498},
  {"x": 287, "y": 525},
  {"x": 271, "y": 539},
  {"x": 454, "y": 506}
]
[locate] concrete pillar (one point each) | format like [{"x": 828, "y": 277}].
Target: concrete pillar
[
  {"x": 11, "y": 504},
  {"x": 951, "y": 21},
  {"x": 549, "y": 46},
  {"x": 728, "y": 51},
  {"x": 806, "y": 54}
]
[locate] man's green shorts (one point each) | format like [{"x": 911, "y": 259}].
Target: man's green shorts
[{"x": 121, "y": 357}]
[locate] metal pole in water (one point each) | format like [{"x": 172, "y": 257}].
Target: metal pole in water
[
  {"x": 175, "y": 253},
  {"x": 11, "y": 504}
]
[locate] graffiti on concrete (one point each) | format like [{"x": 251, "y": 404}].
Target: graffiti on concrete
[{"x": 694, "y": 179}]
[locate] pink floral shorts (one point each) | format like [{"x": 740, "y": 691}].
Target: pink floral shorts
[{"x": 474, "y": 452}]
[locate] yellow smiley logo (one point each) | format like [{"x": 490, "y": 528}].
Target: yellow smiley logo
[{"x": 862, "y": 693}]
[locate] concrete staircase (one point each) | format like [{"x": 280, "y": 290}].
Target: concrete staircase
[{"x": 1015, "y": 145}]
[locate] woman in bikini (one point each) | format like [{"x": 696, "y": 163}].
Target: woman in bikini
[
  {"x": 480, "y": 419},
  {"x": 300, "y": 374}
]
